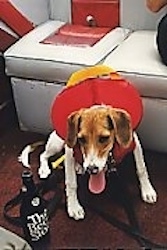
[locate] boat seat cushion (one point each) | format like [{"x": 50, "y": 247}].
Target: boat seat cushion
[
  {"x": 137, "y": 59},
  {"x": 32, "y": 59}
]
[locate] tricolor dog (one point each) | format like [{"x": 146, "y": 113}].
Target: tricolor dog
[{"x": 98, "y": 118}]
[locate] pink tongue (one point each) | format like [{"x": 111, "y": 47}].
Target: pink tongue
[{"x": 97, "y": 182}]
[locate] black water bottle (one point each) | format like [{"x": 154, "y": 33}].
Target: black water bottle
[{"x": 34, "y": 214}]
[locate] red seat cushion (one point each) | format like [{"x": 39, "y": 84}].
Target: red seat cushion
[{"x": 76, "y": 35}]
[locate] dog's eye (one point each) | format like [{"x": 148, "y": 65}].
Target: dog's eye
[
  {"x": 103, "y": 139},
  {"x": 82, "y": 140}
]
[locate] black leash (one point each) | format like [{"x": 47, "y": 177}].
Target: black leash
[
  {"x": 125, "y": 201},
  {"x": 118, "y": 184},
  {"x": 43, "y": 188},
  {"x": 132, "y": 229}
]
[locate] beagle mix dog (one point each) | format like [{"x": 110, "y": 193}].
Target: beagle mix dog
[{"x": 95, "y": 130}]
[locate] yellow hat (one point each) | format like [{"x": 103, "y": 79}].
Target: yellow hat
[{"x": 92, "y": 72}]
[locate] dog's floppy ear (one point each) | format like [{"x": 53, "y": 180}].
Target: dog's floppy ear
[
  {"x": 122, "y": 125},
  {"x": 73, "y": 122}
]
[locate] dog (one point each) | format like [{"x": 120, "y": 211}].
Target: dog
[{"x": 96, "y": 130}]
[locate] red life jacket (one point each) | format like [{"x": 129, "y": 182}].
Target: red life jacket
[{"x": 118, "y": 93}]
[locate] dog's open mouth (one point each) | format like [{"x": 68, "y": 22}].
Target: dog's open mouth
[{"x": 97, "y": 182}]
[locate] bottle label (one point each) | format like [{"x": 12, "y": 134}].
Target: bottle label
[{"x": 38, "y": 225}]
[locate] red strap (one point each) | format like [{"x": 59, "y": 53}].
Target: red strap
[
  {"x": 6, "y": 41},
  {"x": 14, "y": 19},
  {"x": 120, "y": 152}
]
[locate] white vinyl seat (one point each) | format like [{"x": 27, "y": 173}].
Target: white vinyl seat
[
  {"x": 37, "y": 69},
  {"x": 31, "y": 59},
  {"x": 137, "y": 59}
]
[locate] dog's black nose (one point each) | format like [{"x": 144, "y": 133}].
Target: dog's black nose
[{"x": 92, "y": 169}]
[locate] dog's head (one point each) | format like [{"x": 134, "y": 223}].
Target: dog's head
[{"x": 96, "y": 129}]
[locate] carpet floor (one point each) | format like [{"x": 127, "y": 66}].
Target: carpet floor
[{"x": 93, "y": 232}]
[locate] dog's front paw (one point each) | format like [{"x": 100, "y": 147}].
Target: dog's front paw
[
  {"x": 149, "y": 194},
  {"x": 75, "y": 210},
  {"x": 44, "y": 171}
]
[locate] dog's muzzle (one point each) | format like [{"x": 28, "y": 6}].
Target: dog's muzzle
[
  {"x": 92, "y": 169},
  {"x": 109, "y": 167}
]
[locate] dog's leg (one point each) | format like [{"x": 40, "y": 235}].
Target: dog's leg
[
  {"x": 147, "y": 191},
  {"x": 54, "y": 145},
  {"x": 75, "y": 210}
]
